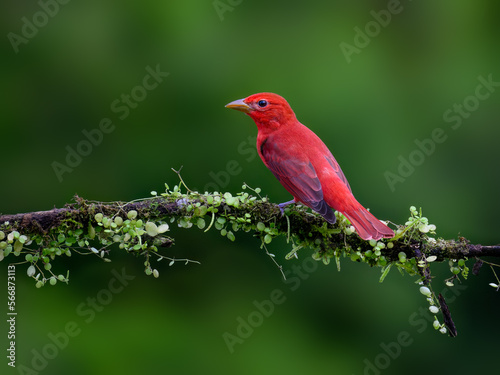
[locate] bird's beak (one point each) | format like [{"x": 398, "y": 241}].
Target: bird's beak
[{"x": 239, "y": 105}]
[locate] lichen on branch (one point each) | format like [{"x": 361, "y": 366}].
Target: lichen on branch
[{"x": 143, "y": 227}]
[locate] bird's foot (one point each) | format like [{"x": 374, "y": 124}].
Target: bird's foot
[
  {"x": 182, "y": 202},
  {"x": 283, "y": 205}
]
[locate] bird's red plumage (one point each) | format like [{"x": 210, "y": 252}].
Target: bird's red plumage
[{"x": 304, "y": 165}]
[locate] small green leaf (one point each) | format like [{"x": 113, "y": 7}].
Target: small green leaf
[
  {"x": 433, "y": 309},
  {"x": 18, "y": 246},
  {"x": 385, "y": 272},
  {"x": 8, "y": 250},
  {"x": 31, "y": 271},
  {"x": 70, "y": 241},
  {"x": 201, "y": 223},
  {"x": 151, "y": 229},
  {"x": 425, "y": 291},
  {"x": 163, "y": 228},
  {"x": 200, "y": 211},
  {"x": 436, "y": 324},
  {"x": 337, "y": 261}
]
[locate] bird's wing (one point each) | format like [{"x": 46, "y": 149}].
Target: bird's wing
[
  {"x": 336, "y": 167},
  {"x": 299, "y": 178}
]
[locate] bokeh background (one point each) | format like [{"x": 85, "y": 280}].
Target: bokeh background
[{"x": 369, "y": 111}]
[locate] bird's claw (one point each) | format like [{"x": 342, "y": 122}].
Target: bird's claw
[
  {"x": 182, "y": 202},
  {"x": 283, "y": 205}
]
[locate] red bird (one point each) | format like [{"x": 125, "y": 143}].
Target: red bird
[{"x": 304, "y": 165}]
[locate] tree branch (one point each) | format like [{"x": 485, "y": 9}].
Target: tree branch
[
  {"x": 299, "y": 223},
  {"x": 140, "y": 227}
]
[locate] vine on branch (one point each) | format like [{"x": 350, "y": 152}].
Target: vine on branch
[{"x": 140, "y": 227}]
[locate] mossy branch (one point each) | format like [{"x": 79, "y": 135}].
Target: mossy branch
[
  {"x": 141, "y": 226},
  {"x": 247, "y": 211}
]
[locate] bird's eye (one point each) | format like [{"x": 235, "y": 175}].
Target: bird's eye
[{"x": 262, "y": 103}]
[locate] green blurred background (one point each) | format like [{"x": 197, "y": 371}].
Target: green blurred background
[{"x": 369, "y": 111}]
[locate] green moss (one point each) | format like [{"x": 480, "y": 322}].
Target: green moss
[{"x": 142, "y": 228}]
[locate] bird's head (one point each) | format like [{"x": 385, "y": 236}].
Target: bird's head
[{"x": 266, "y": 109}]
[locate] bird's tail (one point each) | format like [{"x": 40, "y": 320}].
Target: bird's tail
[{"x": 367, "y": 226}]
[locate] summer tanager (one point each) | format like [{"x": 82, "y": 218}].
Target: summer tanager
[{"x": 304, "y": 165}]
